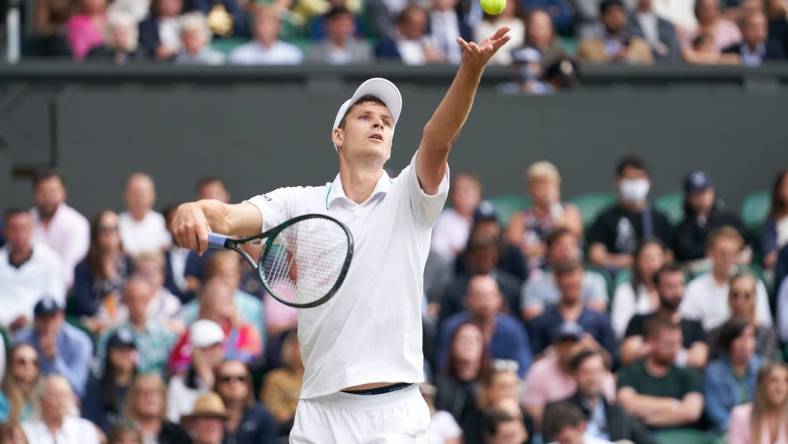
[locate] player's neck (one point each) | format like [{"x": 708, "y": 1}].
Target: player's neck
[{"x": 359, "y": 182}]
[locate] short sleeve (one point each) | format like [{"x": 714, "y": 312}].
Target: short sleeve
[
  {"x": 692, "y": 381},
  {"x": 426, "y": 208},
  {"x": 277, "y": 206},
  {"x": 598, "y": 232},
  {"x": 626, "y": 378},
  {"x": 634, "y": 327}
]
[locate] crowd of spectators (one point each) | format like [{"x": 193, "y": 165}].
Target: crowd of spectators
[
  {"x": 550, "y": 326},
  {"x": 548, "y": 37}
]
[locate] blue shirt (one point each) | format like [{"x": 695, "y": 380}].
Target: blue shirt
[
  {"x": 544, "y": 327},
  {"x": 509, "y": 340},
  {"x": 723, "y": 390},
  {"x": 74, "y": 351}
]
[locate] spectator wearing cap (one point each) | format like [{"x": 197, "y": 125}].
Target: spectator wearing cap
[
  {"x": 550, "y": 378},
  {"x": 530, "y": 228},
  {"x": 61, "y": 348},
  {"x": 57, "y": 225},
  {"x": 248, "y": 422},
  {"x": 340, "y": 46},
  {"x": 485, "y": 254},
  {"x": 694, "y": 352},
  {"x": 107, "y": 387},
  {"x": 152, "y": 339},
  {"x": 730, "y": 380},
  {"x": 755, "y": 48},
  {"x": 27, "y": 270},
  {"x": 702, "y": 215},
  {"x": 145, "y": 407},
  {"x": 615, "y": 233},
  {"x": 141, "y": 228},
  {"x": 540, "y": 290},
  {"x": 206, "y": 422},
  {"x": 723, "y": 32},
  {"x": 654, "y": 389},
  {"x": 616, "y": 45},
  {"x": 658, "y": 32},
  {"x": 450, "y": 234},
  {"x": 605, "y": 419},
  {"x": 56, "y": 417},
  {"x": 411, "y": 43},
  {"x": 206, "y": 341},
  {"x": 266, "y": 48},
  {"x": 505, "y": 336},
  {"x": 195, "y": 38},
  {"x": 570, "y": 308},
  {"x": 100, "y": 277},
  {"x": 217, "y": 305},
  {"x": 707, "y": 294}
]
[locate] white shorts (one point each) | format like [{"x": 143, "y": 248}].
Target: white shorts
[{"x": 398, "y": 417}]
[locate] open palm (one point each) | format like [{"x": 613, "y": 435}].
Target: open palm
[{"x": 477, "y": 55}]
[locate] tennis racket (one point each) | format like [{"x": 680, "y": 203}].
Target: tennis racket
[{"x": 303, "y": 261}]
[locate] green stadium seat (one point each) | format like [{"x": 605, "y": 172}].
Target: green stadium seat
[
  {"x": 508, "y": 204},
  {"x": 621, "y": 277},
  {"x": 225, "y": 46},
  {"x": 591, "y": 204},
  {"x": 755, "y": 208},
  {"x": 686, "y": 436},
  {"x": 672, "y": 204}
]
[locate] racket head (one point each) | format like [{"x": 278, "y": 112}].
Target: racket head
[{"x": 304, "y": 261}]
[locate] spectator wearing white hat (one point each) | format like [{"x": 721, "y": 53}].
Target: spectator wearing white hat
[{"x": 206, "y": 340}]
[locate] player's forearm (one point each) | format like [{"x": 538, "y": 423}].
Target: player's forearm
[{"x": 445, "y": 124}]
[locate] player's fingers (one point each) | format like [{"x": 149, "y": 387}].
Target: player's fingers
[
  {"x": 463, "y": 44},
  {"x": 201, "y": 237},
  {"x": 500, "y": 42},
  {"x": 502, "y": 31}
]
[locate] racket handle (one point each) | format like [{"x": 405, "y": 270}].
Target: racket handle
[{"x": 216, "y": 240}]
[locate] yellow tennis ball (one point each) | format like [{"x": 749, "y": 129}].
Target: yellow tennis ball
[{"x": 493, "y": 7}]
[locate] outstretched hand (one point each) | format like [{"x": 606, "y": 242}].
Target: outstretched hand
[{"x": 477, "y": 55}]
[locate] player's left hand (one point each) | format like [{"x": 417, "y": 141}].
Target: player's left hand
[{"x": 477, "y": 55}]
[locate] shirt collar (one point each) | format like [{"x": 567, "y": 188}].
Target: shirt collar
[{"x": 335, "y": 190}]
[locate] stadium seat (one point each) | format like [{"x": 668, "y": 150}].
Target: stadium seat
[
  {"x": 755, "y": 208},
  {"x": 686, "y": 436},
  {"x": 591, "y": 204},
  {"x": 508, "y": 204},
  {"x": 672, "y": 204}
]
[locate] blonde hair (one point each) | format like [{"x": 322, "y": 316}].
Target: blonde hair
[
  {"x": 759, "y": 403},
  {"x": 122, "y": 18},
  {"x": 10, "y": 386},
  {"x": 41, "y": 390},
  {"x": 153, "y": 256},
  {"x": 543, "y": 170},
  {"x": 131, "y": 397},
  {"x": 195, "y": 21}
]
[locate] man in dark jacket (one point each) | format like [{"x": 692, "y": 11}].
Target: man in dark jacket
[
  {"x": 657, "y": 31},
  {"x": 755, "y": 48},
  {"x": 605, "y": 420}
]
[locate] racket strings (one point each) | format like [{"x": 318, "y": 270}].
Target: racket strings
[{"x": 305, "y": 260}]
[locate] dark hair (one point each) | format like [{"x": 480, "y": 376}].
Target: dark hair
[
  {"x": 667, "y": 268},
  {"x": 403, "y": 15},
  {"x": 778, "y": 208},
  {"x": 207, "y": 180},
  {"x": 697, "y": 6},
  {"x": 364, "y": 99},
  {"x": 561, "y": 416},
  {"x": 701, "y": 39},
  {"x": 46, "y": 175},
  {"x": 107, "y": 386},
  {"x": 556, "y": 235},
  {"x": 630, "y": 161},
  {"x": 493, "y": 418},
  {"x": 94, "y": 254},
  {"x": 247, "y": 374},
  {"x": 606, "y": 5},
  {"x": 120, "y": 430},
  {"x": 337, "y": 11},
  {"x": 565, "y": 267},
  {"x": 656, "y": 325},
  {"x": 637, "y": 277},
  {"x": 731, "y": 330},
  {"x": 451, "y": 368},
  {"x": 582, "y": 356},
  {"x": 13, "y": 211}
]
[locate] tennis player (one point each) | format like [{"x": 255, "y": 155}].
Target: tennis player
[{"x": 362, "y": 349}]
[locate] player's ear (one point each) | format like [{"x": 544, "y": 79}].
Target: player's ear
[{"x": 337, "y": 137}]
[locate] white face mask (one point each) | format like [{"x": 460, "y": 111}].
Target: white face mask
[{"x": 634, "y": 190}]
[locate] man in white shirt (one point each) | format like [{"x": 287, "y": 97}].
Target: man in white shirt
[
  {"x": 28, "y": 271},
  {"x": 59, "y": 421},
  {"x": 57, "y": 225},
  {"x": 707, "y": 295},
  {"x": 362, "y": 350},
  {"x": 141, "y": 228},
  {"x": 266, "y": 48}
]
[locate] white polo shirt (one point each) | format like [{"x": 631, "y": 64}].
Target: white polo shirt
[
  {"x": 21, "y": 287},
  {"x": 370, "y": 331}
]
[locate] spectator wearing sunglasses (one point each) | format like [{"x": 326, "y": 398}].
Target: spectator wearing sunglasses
[{"x": 247, "y": 421}]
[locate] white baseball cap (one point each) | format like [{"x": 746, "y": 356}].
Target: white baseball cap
[
  {"x": 204, "y": 333},
  {"x": 378, "y": 87}
]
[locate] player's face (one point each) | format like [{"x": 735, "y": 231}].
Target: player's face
[{"x": 368, "y": 132}]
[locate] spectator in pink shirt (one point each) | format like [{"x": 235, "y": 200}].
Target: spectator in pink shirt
[
  {"x": 86, "y": 29},
  {"x": 724, "y": 32}
]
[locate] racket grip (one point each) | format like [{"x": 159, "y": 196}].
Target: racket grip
[{"x": 216, "y": 240}]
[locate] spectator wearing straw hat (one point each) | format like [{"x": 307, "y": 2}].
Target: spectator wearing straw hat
[{"x": 205, "y": 424}]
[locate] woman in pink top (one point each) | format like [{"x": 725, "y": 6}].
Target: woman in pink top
[
  {"x": 86, "y": 29},
  {"x": 710, "y": 22},
  {"x": 765, "y": 420}
]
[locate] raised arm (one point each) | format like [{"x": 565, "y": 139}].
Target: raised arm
[
  {"x": 194, "y": 220},
  {"x": 443, "y": 128}
]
